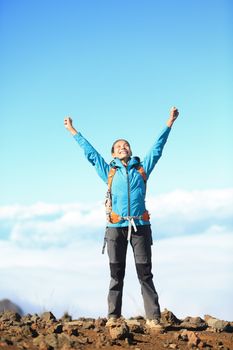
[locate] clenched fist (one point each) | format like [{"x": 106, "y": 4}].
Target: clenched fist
[
  {"x": 69, "y": 125},
  {"x": 173, "y": 115}
]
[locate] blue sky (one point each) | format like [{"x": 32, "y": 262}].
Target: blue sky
[{"x": 116, "y": 67}]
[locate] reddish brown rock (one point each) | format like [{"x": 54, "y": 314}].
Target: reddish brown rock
[
  {"x": 218, "y": 325},
  {"x": 120, "y": 330},
  {"x": 34, "y": 333},
  {"x": 192, "y": 338},
  {"x": 193, "y": 323},
  {"x": 169, "y": 318}
]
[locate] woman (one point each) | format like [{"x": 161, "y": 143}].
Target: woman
[{"x": 127, "y": 217}]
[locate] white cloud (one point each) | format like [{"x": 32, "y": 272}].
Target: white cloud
[
  {"x": 199, "y": 271},
  {"x": 51, "y": 256},
  {"x": 194, "y": 204},
  {"x": 43, "y": 224},
  {"x": 175, "y": 213},
  {"x": 71, "y": 213},
  {"x": 193, "y": 276},
  {"x": 191, "y": 212}
]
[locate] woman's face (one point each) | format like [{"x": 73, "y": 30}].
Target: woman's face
[{"x": 122, "y": 150}]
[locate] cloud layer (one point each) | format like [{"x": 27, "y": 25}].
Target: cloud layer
[
  {"x": 172, "y": 214},
  {"x": 51, "y": 256}
]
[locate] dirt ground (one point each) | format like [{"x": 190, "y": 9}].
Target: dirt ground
[{"x": 46, "y": 333}]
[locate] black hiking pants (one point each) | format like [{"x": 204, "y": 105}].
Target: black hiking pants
[{"x": 141, "y": 242}]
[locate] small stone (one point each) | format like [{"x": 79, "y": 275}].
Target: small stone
[
  {"x": 27, "y": 319},
  {"x": 88, "y": 325},
  {"x": 71, "y": 329},
  {"x": 173, "y": 346},
  {"x": 193, "y": 323},
  {"x": 138, "y": 318},
  {"x": 135, "y": 326},
  {"x": 51, "y": 340},
  {"x": 10, "y": 316},
  {"x": 86, "y": 319},
  {"x": 35, "y": 318},
  {"x": 39, "y": 340},
  {"x": 66, "y": 347},
  {"x": 100, "y": 322},
  {"x": 25, "y": 345},
  {"x": 64, "y": 340},
  {"x": 177, "y": 336},
  {"x": 193, "y": 339},
  {"x": 119, "y": 331},
  {"x": 44, "y": 346},
  {"x": 218, "y": 325},
  {"x": 76, "y": 323},
  {"x": 132, "y": 322},
  {"x": 101, "y": 341},
  {"x": 58, "y": 328},
  {"x": 28, "y": 331},
  {"x": 83, "y": 340},
  {"x": 6, "y": 341},
  {"x": 48, "y": 316},
  {"x": 97, "y": 329},
  {"x": 169, "y": 318}
]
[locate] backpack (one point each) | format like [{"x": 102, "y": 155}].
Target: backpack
[{"x": 112, "y": 217}]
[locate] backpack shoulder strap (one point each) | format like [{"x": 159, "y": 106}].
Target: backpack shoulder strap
[
  {"x": 141, "y": 170},
  {"x": 113, "y": 170},
  {"x": 111, "y": 173}
]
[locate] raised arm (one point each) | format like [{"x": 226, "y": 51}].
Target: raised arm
[
  {"x": 155, "y": 152},
  {"x": 90, "y": 152}
]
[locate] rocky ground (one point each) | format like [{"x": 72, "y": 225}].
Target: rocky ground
[{"x": 45, "y": 332}]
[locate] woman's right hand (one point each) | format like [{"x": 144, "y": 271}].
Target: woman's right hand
[{"x": 68, "y": 122}]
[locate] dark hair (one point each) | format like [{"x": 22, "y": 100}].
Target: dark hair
[{"x": 112, "y": 149}]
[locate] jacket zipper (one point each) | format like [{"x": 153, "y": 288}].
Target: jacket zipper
[{"x": 128, "y": 188}]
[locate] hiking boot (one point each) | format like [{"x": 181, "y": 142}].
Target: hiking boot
[
  {"x": 112, "y": 321},
  {"x": 154, "y": 325}
]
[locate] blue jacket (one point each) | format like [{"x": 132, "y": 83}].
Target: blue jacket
[{"x": 128, "y": 188}]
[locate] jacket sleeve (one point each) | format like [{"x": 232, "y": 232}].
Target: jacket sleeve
[
  {"x": 93, "y": 157},
  {"x": 155, "y": 152}
]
